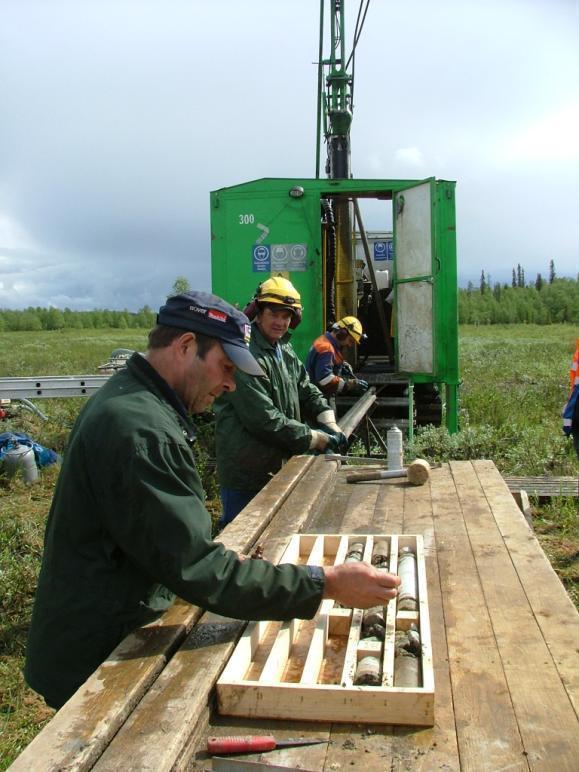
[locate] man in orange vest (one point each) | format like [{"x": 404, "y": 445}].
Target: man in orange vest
[
  {"x": 325, "y": 362},
  {"x": 571, "y": 409}
]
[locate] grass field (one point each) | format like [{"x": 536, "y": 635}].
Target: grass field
[{"x": 515, "y": 381}]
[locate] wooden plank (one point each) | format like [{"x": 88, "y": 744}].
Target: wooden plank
[
  {"x": 352, "y": 748},
  {"x": 244, "y": 531},
  {"x": 80, "y": 731},
  {"x": 487, "y": 731},
  {"x": 531, "y": 676},
  {"x": 400, "y": 705},
  {"x": 544, "y": 485},
  {"x": 240, "y": 660},
  {"x": 554, "y": 611},
  {"x": 359, "y": 509},
  {"x": 158, "y": 730},
  {"x": 351, "y": 655},
  {"x": 340, "y": 620},
  {"x": 316, "y": 651},
  {"x": 537, "y": 673},
  {"x": 390, "y": 628},
  {"x": 328, "y": 517},
  {"x": 435, "y": 747},
  {"x": 388, "y": 512},
  {"x": 424, "y": 626},
  {"x": 278, "y": 657},
  {"x": 280, "y": 651}
]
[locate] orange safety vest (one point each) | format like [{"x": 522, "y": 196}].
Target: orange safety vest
[
  {"x": 571, "y": 410},
  {"x": 574, "y": 371}
]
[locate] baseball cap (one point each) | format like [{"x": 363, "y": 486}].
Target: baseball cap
[{"x": 213, "y": 316}]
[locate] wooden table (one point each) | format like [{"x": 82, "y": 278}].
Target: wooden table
[{"x": 505, "y": 638}]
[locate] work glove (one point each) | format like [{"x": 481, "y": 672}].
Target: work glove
[
  {"x": 327, "y": 421},
  {"x": 347, "y": 371},
  {"x": 321, "y": 440},
  {"x": 356, "y": 387},
  {"x": 328, "y": 424},
  {"x": 339, "y": 441}
]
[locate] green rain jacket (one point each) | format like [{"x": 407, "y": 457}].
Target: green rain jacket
[
  {"x": 261, "y": 424},
  {"x": 128, "y": 530}
]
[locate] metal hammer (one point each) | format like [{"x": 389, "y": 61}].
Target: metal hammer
[{"x": 417, "y": 473}]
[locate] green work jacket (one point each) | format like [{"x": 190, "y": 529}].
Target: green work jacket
[
  {"x": 128, "y": 530},
  {"x": 262, "y": 423}
]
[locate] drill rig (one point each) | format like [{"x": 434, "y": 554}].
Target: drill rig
[{"x": 401, "y": 284}]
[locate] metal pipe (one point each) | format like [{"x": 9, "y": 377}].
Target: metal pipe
[
  {"x": 320, "y": 89},
  {"x": 352, "y": 418},
  {"x": 370, "y": 265}
]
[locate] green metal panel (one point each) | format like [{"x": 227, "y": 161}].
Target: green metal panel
[
  {"x": 446, "y": 296},
  {"x": 260, "y": 231},
  {"x": 413, "y": 279},
  {"x": 432, "y": 285},
  {"x": 261, "y": 213}
]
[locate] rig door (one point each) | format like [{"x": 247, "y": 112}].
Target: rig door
[{"x": 414, "y": 284}]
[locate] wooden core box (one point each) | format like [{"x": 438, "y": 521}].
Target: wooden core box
[{"x": 306, "y": 669}]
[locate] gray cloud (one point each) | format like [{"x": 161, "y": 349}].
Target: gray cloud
[{"x": 120, "y": 117}]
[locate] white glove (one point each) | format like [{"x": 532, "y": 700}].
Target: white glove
[
  {"x": 328, "y": 418},
  {"x": 319, "y": 440}
]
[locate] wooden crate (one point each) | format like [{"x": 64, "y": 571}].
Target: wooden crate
[{"x": 304, "y": 669}]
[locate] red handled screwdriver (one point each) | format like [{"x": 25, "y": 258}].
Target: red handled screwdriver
[{"x": 253, "y": 743}]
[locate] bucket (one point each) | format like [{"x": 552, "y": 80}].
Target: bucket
[{"x": 21, "y": 457}]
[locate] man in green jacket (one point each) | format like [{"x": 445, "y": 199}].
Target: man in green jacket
[
  {"x": 265, "y": 420},
  {"x": 128, "y": 529}
]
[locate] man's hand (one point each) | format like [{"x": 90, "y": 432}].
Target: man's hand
[
  {"x": 321, "y": 440},
  {"x": 346, "y": 371},
  {"x": 356, "y": 387},
  {"x": 338, "y": 443},
  {"x": 360, "y": 585}
]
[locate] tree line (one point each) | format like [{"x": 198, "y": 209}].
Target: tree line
[
  {"x": 34, "y": 319},
  {"x": 542, "y": 302},
  {"x": 54, "y": 319},
  {"x": 545, "y": 301}
]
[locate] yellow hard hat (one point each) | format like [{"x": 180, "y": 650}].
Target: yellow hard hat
[
  {"x": 281, "y": 291},
  {"x": 352, "y": 326}
]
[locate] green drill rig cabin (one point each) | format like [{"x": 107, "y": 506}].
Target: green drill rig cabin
[{"x": 401, "y": 283}]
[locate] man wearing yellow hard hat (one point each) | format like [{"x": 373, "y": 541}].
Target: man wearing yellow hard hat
[
  {"x": 266, "y": 420},
  {"x": 326, "y": 364}
]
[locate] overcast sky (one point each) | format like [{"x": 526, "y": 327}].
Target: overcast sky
[{"x": 117, "y": 117}]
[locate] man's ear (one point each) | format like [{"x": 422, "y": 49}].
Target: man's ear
[{"x": 183, "y": 342}]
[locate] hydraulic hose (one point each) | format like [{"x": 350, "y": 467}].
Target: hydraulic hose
[{"x": 329, "y": 224}]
